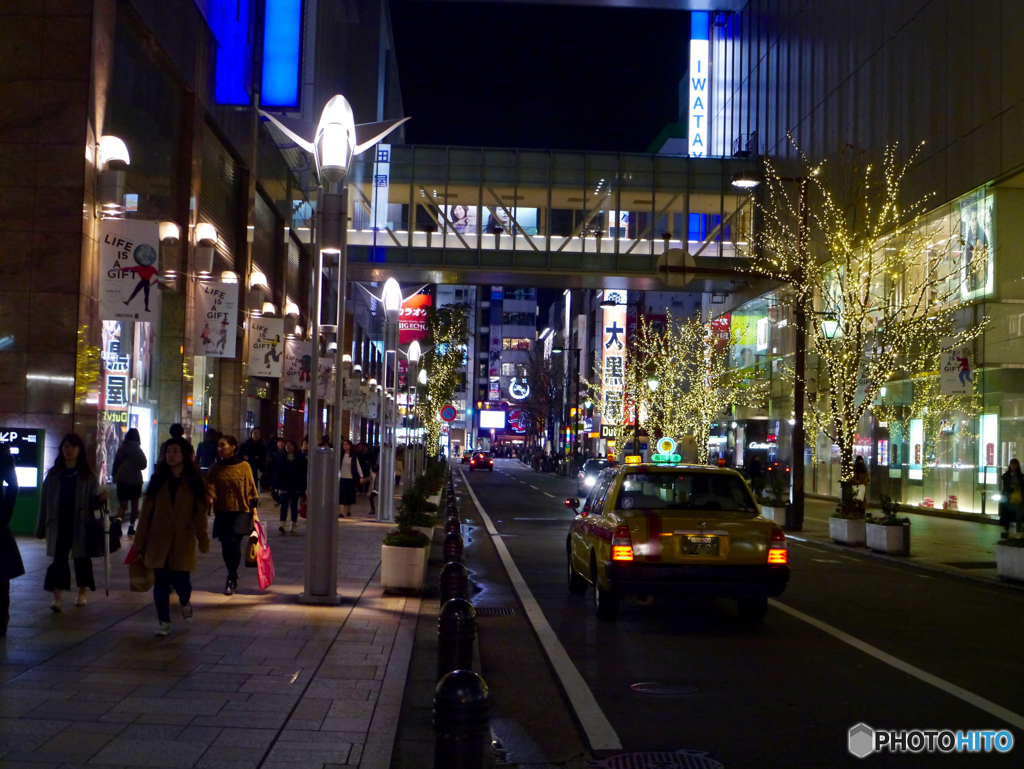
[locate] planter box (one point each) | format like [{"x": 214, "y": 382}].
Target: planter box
[
  {"x": 847, "y": 531},
  {"x": 1010, "y": 562},
  {"x": 403, "y": 568},
  {"x": 436, "y": 499},
  {"x": 775, "y": 514},
  {"x": 426, "y": 530},
  {"x": 888, "y": 539}
]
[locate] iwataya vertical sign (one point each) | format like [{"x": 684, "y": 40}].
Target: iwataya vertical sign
[
  {"x": 697, "y": 107},
  {"x": 216, "y": 319}
]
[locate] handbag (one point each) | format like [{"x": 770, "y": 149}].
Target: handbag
[
  {"x": 303, "y": 506},
  {"x": 140, "y": 579},
  {"x": 1016, "y": 497},
  {"x": 264, "y": 560},
  {"x": 252, "y": 550}
]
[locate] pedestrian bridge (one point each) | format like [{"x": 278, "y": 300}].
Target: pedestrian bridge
[{"x": 550, "y": 218}]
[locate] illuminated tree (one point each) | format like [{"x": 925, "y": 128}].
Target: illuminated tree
[
  {"x": 545, "y": 377},
  {"x": 448, "y": 332},
  {"x": 862, "y": 267},
  {"x": 695, "y": 384}
]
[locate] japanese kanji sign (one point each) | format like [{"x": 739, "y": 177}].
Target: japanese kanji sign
[{"x": 613, "y": 360}]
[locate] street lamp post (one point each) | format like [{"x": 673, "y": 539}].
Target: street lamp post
[
  {"x": 392, "y": 301},
  {"x": 336, "y": 140}
]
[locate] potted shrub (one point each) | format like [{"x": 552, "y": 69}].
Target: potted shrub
[
  {"x": 403, "y": 560},
  {"x": 774, "y": 500},
  {"x": 1010, "y": 558},
  {"x": 416, "y": 512},
  {"x": 888, "y": 533},
  {"x": 847, "y": 523}
]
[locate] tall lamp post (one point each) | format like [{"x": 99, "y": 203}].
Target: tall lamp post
[
  {"x": 413, "y": 355},
  {"x": 336, "y": 141},
  {"x": 391, "y": 298}
]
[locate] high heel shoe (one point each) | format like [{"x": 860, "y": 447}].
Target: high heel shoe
[{"x": 229, "y": 587}]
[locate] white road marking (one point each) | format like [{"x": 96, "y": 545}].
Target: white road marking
[
  {"x": 600, "y": 733},
  {"x": 826, "y": 560},
  {"x": 969, "y": 697},
  {"x": 550, "y": 495},
  {"x": 533, "y": 487}
]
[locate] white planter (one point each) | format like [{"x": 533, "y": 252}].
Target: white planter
[
  {"x": 403, "y": 568},
  {"x": 1010, "y": 562},
  {"x": 776, "y": 514},
  {"x": 436, "y": 499},
  {"x": 884, "y": 539},
  {"x": 847, "y": 531},
  {"x": 427, "y": 531}
]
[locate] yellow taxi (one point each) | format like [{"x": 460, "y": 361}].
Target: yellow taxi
[{"x": 665, "y": 529}]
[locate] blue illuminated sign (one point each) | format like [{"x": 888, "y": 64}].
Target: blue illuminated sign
[
  {"x": 698, "y": 88},
  {"x": 282, "y": 53}
]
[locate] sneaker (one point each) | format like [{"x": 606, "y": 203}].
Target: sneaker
[
  {"x": 186, "y": 612},
  {"x": 281, "y": 527},
  {"x": 164, "y": 629},
  {"x": 131, "y": 530}
]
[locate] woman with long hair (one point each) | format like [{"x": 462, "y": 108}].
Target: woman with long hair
[
  {"x": 1011, "y": 506},
  {"x": 129, "y": 462},
  {"x": 235, "y": 498},
  {"x": 290, "y": 482},
  {"x": 348, "y": 478},
  {"x": 70, "y": 494},
  {"x": 172, "y": 525}
]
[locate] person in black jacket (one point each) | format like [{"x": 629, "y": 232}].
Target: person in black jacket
[
  {"x": 290, "y": 482},
  {"x": 1011, "y": 506},
  {"x": 11, "y": 565},
  {"x": 254, "y": 451}
]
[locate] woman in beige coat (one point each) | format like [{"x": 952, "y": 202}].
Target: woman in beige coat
[
  {"x": 172, "y": 524},
  {"x": 230, "y": 485}
]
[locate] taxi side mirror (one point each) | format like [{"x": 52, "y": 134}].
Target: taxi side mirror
[{"x": 572, "y": 503}]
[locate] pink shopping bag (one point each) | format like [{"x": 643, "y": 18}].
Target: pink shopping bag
[{"x": 264, "y": 560}]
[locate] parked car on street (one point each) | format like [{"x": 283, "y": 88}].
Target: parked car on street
[
  {"x": 481, "y": 460},
  {"x": 587, "y": 475}
]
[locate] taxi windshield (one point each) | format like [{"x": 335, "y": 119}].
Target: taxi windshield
[{"x": 686, "y": 491}]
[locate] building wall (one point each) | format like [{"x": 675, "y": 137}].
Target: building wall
[{"x": 946, "y": 72}]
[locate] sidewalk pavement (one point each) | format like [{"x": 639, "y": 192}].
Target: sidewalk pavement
[
  {"x": 256, "y": 680},
  {"x": 962, "y": 548}
]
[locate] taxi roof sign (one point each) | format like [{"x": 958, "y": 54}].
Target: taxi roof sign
[{"x": 633, "y": 459}]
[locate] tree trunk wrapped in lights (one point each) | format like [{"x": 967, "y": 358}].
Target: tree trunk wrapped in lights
[{"x": 857, "y": 255}]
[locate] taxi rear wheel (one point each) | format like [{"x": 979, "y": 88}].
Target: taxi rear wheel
[
  {"x": 577, "y": 584},
  {"x": 606, "y": 605},
  {"x": 752, "y": 609}
]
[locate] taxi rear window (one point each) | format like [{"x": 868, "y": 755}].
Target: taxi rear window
[{"x": 685, "y": 491}]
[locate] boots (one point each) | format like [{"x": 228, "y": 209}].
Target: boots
[{"x": 291, "y": 527}]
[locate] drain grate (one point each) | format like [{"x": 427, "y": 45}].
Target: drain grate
[
  {"x": 680, "y": 759},
  {"x": 663, "y": 689},
  {"x": 494, "y": 611},
  {"x": 972, "y": 564}
]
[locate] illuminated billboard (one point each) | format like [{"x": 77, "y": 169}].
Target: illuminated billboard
[{"x": 492, "y": 420}]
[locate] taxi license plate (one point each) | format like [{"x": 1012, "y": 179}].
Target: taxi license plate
[{"x": 700, "y": 545}]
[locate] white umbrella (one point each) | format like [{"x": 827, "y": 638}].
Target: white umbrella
[{"x": 106, "y": 548}]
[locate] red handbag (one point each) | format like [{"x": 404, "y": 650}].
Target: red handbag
[{"x": 264, "y": 560}]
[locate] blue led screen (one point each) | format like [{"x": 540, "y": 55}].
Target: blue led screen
[
  {"x": 282, "y": 53},
  {"x": 229, "y": 21}
]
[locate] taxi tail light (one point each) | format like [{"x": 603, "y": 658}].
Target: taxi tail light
[
  {"x": 778, "y": 554},
  {"x": 622, "y": 545}
]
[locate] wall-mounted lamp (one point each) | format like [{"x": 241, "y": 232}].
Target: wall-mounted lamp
[
  {"x": 290, "y": 308},
  {"x": 227, "y": 276},
  {"x": 205, "y": 235},
  {"x": 170, "y": 232},
  {"x": 269, "y": 308},
  {"x": 113, "y": 160},
  {"x": 332, "y": 347},
  {"x": 258, "y": 280}
]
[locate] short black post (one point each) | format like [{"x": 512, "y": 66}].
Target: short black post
[
  {"x": 452, "y": 524},
  {"x": 461, "y": 721},
  {"x": 456, "y": 631},
  {"x": 454, "y": 582},
  {"x": 453, "y": 547}
]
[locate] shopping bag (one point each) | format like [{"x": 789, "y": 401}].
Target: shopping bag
[
  {"x": 303, "y": 506},
  {"x": 264, "y": 560},
  {"x": 140, "y": 579},
  {"x": 132, "y": 555}
]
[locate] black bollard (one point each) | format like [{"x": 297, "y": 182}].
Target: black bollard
[
  {"x": 454, "y": 582},
  {"x": 452, "y": 525},
  {"x": 456, "y": 631},
  {"x": 453, "y": 547},
  {"x": 461, "y": 721}
]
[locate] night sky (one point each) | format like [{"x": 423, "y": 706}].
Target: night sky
[{"x": 538, "y": 76}]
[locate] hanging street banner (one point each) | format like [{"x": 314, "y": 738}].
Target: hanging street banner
[
  {"x": 216, "y": 319},
  {"x": 129, "y": 269},
  {"x": 266, "y": 348},
  {"x": 298, "y": 363},
  {"x": 956, "y": 376}
]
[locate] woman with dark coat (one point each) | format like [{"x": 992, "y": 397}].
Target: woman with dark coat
[
  {"x": 235, "y": 497},
  {"x": 254, "y": 451},
  {"x": 172, "y": 525},
  {"x": 1011, "y": 506},
  {"x": 11, "y": 565},
  {"x": 70, "y": 494},
  {"x": 290, "y": 482},
  {"x": 349, "y": 478},
  {"x": 129, "y": 462}
]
